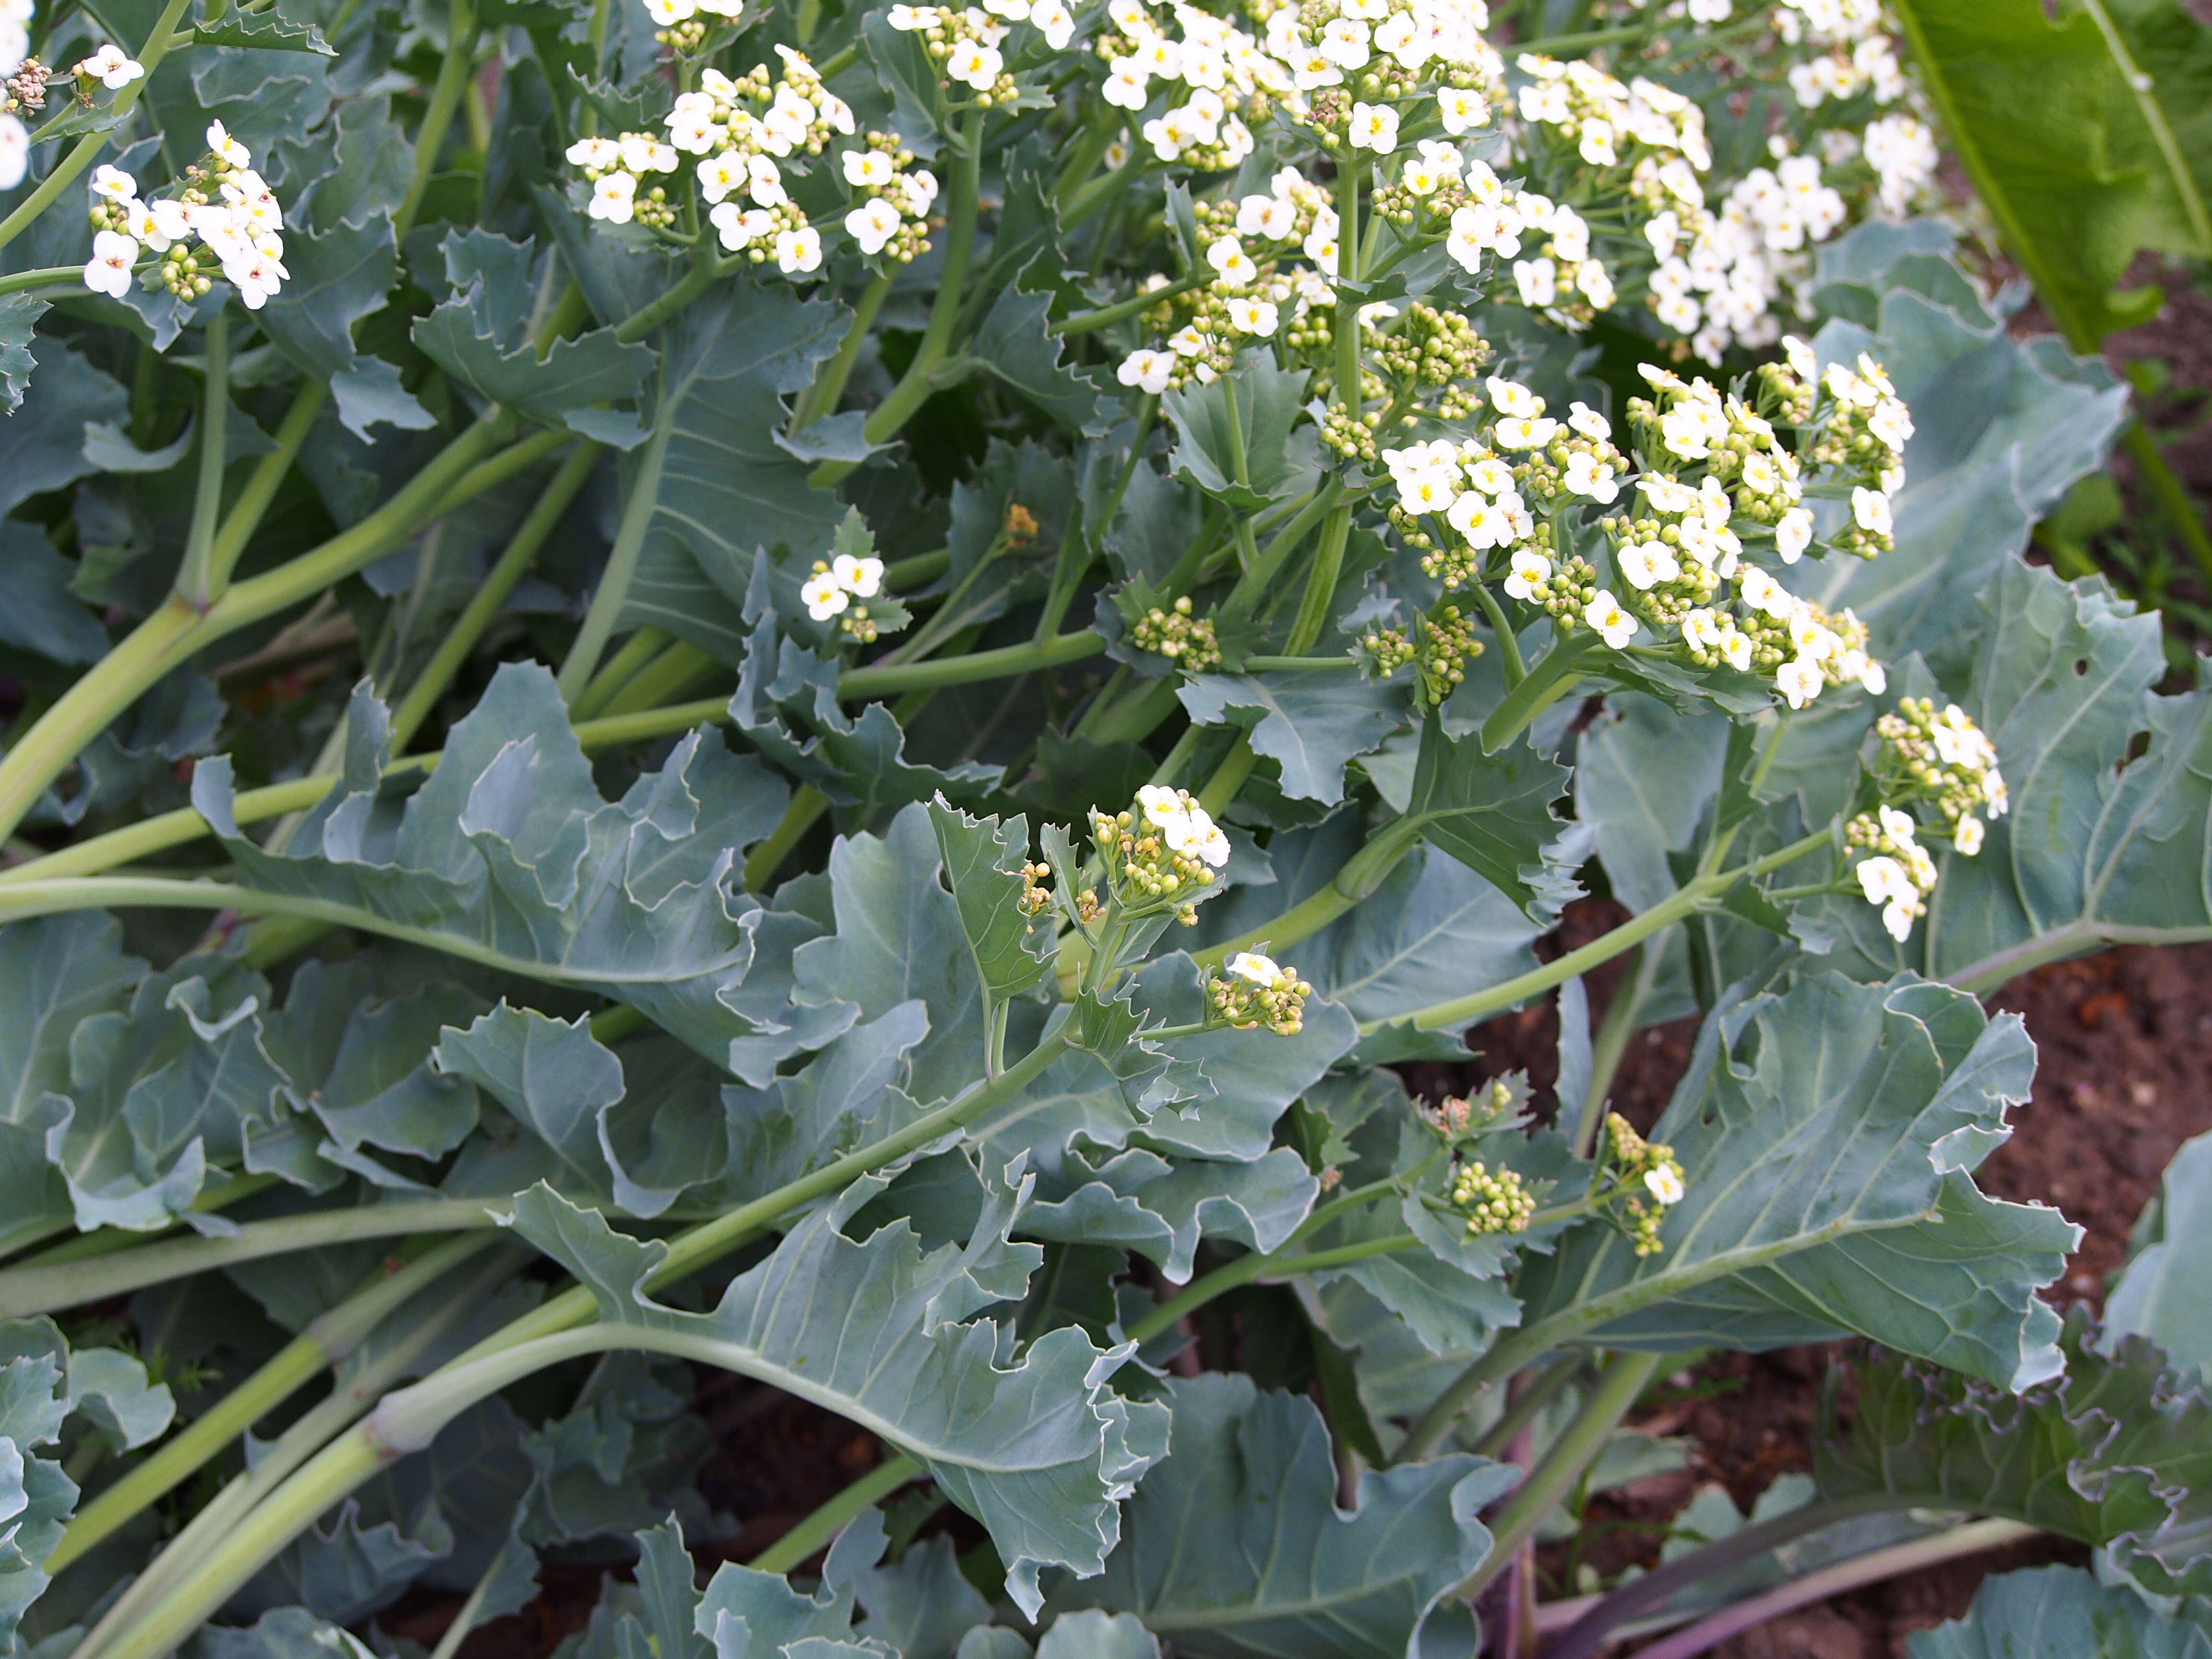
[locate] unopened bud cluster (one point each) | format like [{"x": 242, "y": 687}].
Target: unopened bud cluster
[
  {"x": 1255, "y": 991},
  {"x": 1457, "y": 1118},
  {"x": 1174, "y": 633},
  {"x": 1638, "y": 1164},
  {"x": 1494, "y": 1201}
]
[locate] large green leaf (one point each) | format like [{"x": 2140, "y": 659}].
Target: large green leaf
[
  {"x": 1235, "y": 1546},
  {"x": 2059, "y": 1613},
  {"x": 1312, "y": 723},
  {"x": 509, "y": 857},
  {"x": 1246, "y": 453},
  {"x": 1827, "y": 1133},
  {"x": 1492, "y": 813},
  {"x": 2086, "y": 143},
  {"x": 984, "y": 864},
  {"x": 2115, "y": 1451},
  {"x": 2165, "y": 1294},
  {"x": 1039, "y": 1449},
  {"x": 2102, "y": 843}
]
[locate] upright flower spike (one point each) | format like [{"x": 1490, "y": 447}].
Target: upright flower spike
[
  {"x": 1255, "y": 991},
  {"x": 221, "y": 220},
  {"x": 1161, "y": 854}
]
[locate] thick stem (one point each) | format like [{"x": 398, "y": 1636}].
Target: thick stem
[
  {"x": 1562, "y": 1464},
  {"x": 882, "y": 680},
  {"x": 1543, "y": 685},
  {"x": 260, "y": 488},
  {"x": 1363, "y": 872},
  {"x": 806, "y": 808},
  {"x": 827, "y": 1521},
  {"x": 26, "y": 1290},
  {"x": 641, "y": 648},
  {"x": 198, "y": 582},
  {"x": 1614, "y": 1032},
  {"x": 1320, "y": 583},
  {"x": 622, "y": 562},
  {"x": 670, "y": 674},
  {"x": 438, "y": 114},
  {"x": 822, "y": 397},
  {"x": 484, "y": 604},
  {"x": 329, "y": 1339}
]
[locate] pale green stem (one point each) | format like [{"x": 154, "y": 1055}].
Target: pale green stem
[
  {"x": 465, "y": 1620},
  {"x": 822, "y": 397},
  {"x": 1686, "y": 901},
  {"x": 827, "y": 1521},
  {"x": 1363, "y": 872},
  {"x": 328, "y": 1338},
  {"x": 1562, "y": 1464},
  {"x": 1614, "y": 1032},
  {"x": 198, "y": 582},
  {"x": 438, "y": 114},
  {"x": 27, "y": 1291},
  {"x": 622, "y": 562},
  {"x": 484, "y": 604},
  {"x": 641, "y": 648}
]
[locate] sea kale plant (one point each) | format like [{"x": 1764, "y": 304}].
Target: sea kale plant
[{"x": 833, "y": 694}]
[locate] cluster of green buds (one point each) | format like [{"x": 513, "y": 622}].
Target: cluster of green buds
[
  {"x": 1567, "y": 592},
  {"x": 963, "y": 44},
  {"x": 1635, "y": 1169},
  {"x": 1444, "y": 643},
  {"x": 1174, "y": 633},
  {"x": 1035, "y": 895},
  {"x": 1433, "y": 351},
  {"x": 1494, "y": 1201},
  {"x": 1161, "y": 854},
  {"x": 1942, "y": 760},
  {"x": 1255, "y": 991}
]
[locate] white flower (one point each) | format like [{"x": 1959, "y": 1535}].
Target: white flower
[
  {"x": 1250, "y": 964},
  {"x": 1461, "y": 110},
  {"x": 975, "y": 64},
  {"x": 719, "y": 175},
  {"x": 741, "y": 229},
  {"x": 1587, "y": 422},
  {"x": 643, "y": 153},
  {"x": 1613, "y": 625},
  {"x": 1124, "y": 87},
  {"x": 114, "y": 183},
  {"x": 1883, "y": 879},
  {"x": 1253, "y": 316},
  {"x": 1233, "y": 265},
  {"x": 1526, "y": 432},
  {"x": 862, "y": 577},
  {"x": 15, "y": 152},
  {"x": 1373, "y": 126},
  {"x": 597, "y": 155},
  {"x": 867, "y": 167},
  {"x": 108, "y": 270},
  {"x": 1891, "y": 421},
  {"x": 614, "y": 199},
  {"x": 873, "y": 224},
  {"x": 1967, "y": 835},
  {"x": 1538, "y": 281},
  {"x": 1870, "y": 510},
  {"x": 1799, "y": 680},
  {"x": 1511, "y": 397},
  {"x": 256, "y": 278},
  {"x": 668, "y": 12},
  {"x": 1588, "y": 476},
  {"x": 226, "y": 149},
  {"x": 1594, "y": 282},
  {"x": 824, "y": 598},
  {"x": 1162, "y": 806},
  {"x": 1197, "y": 833},
  {"x": 1344, "y": 43},
  {"x": 1528, "y": 568},
  {"x": 1644, "y": 564},
  {"x": 1596, "y": 143},
  {"x": 112, "y": 67},
  {"x": 797, "y": 251},
  {"x": 1898, "y": 826},
  {"x": 1147, "y": 370},
  {"x": 1994, "y": 794},
  {"x": 1056, "y": 22},
  {"x": 1794, "y": 534},
  {"x": 1664, "y": 1184}
]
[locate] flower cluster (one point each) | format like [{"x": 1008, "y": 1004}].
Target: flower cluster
[
  {"x": 834, "y": 586},
  {"x": 1184, "y": 639},
  {"x": 1862, "y": 428},
  {"x": 1444, "y": 643},
  {"x": 893, "y": 217},
  {"x": 1945, "y": 761},
  {"x": 1159, "y": 854},
  {"x": 685, "y": 25},
  {"x": 26, "y": 89},
  {"x": 1257, "y": 991},
  {"x": 111, "y": 67},
  {"x": 1494, "y": 1201},
  {"x": 964, "y": 42},
  {"x": 1722, "y": 272},
  {"x": 739, "y": 130},
  {"x": 1897, "y": 875},
  {"x": 1630, "y": 1162},
  {"x": 223, "y": 220}
]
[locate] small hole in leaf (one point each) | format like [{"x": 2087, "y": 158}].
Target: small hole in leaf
[{"x": 2080, "y": 666}]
